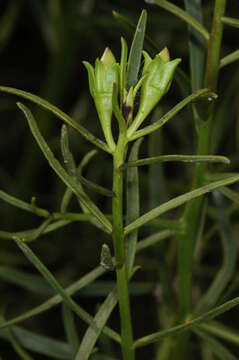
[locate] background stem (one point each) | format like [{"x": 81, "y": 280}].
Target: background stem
[{"x": 192, "y": 211}]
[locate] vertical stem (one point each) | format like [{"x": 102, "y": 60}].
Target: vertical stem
[
  {"x": 119, "y": 251},
  {"x": 192, "y": 211}
]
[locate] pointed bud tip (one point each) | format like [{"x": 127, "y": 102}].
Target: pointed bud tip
[
  {"x": 108, "y": 58},
  {"x": 164, "y": 55}
]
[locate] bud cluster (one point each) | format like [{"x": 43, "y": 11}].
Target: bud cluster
[{"x": 104, "y": 80}]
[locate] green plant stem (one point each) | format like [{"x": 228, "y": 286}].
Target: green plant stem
[
  {"x": 119, "y": 250},
  {"x": 192, "y": 211}
]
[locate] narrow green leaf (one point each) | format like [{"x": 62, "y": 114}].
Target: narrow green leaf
[
  {"x": 123, "y": 67},
  {"x": 154, "y": 239},
  {"x": 183, "y": 15},
  {"x": 30, "y": 282},
  {"x": 230, "y": 194},
  {"x": 59, "y": 113},
  {"x": 136, "y": 52},
  {"x": 216, "y": 346},
  {"x": 182, "y": 158},
  {"x": 133, "y": 206},
  {"x": 66, "y": 153},
  {"x": 80, "y": 284},
  {"x": 196, "y": 45},
  {"x": 229, "y": 59},
  {"x": 178, "y": 201},
  {"x": 23, "y": 205},
  {"x": 229, "y": 246},
  {"x": 171, "y": 113},
  {"x": 220, "y": 330},
  {"x": 40, "y": 344},
  {"x": 70, "y": 327},
  {"x": 188, "y": 325},
  {"x": 15, "y": 344},
  {"x": 181, "y": 77},
  {"x": 98, "y": 189},
  {"x": 230, "y": 21},
  {"x": 59, "y": 289},
  {"x": 57, "y": 299},
  {"x": 54, "y": 163},
  {"x": 100, "y": 319}
]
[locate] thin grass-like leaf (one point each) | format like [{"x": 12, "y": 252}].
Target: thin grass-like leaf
[
  {"x": 216, "y": 346},
  {"x": 178, "y": 201},
  {"x": 149, "y": 339},
  {"x": 225, "y": 274},
  {"x": 170, "y": 114},
  {"x": 30, "y": 282},
  {"x": 221, "y": 331},
  {"x": 229, "y": 59},
  {"x": 70, "y": 327},
  {"x": 15, "y": 344},
  {"x": 133, "y": 206},
  {"x": 84, "y": 281},
  {"x": 100, "y": 319},
  {"x": 23, "y": 205},
  {"x": 181, "y": 158},
  {"x": 57, "y": 299},
  {"x": 40, "y": 344},
  {"x": 181, "y": 77},
  {"x": 196, "y": 46},
  {"x": 183, "y": 15},
  {"x": 59, "y": 289},
  {"x": 135, "y": 53},
  {"x": 230, "y": 194},
  {"x": 59, "y": 113},
  {"x": 54, "y": 163},
  {"x": 154, "y": 239},
  {"x": 230, "y": 21}
]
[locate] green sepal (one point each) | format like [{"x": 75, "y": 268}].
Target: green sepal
[
  {"x": 91, "y": 77},
  {"x": 158, "y": 77}
]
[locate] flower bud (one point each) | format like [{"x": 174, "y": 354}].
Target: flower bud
[
  {"x": 101, "y": 83},
  {"x": 158, "y": 75}
]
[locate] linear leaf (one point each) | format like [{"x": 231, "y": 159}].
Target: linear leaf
[
  {"x": 154, "y": 239},
  {"x": 133, "y": 206},
  {"x": 70, "y": 327},
  {"x": 223, "y": 332},
  {"x": 181, "y": 77},
  {"x": 230, "y": 194},
  {"x": 15, "y": 344},
  {"x": 196, "y": 45},
  {"x": 178, "y": 201},
  {"x": 54, "y": 163},
  {"x": 84, "y": 281},
  {"x": 22, "y": 204},
  {"x": 183, "y": 158},
  {"x": 59, "y": 289},
  {"x": 59, "y": 113},
  {"x": 230, "y": 21},
  {"x": 100, "y": 319},
  {"x": 32, "y": 283},
  {"x": 188, "y": 325},
  {"x": 136, "y": 52},
  {"x": 183, "y": 15},
  {"x": 229, "y": 246},
  {"x": 171, "y": 113},
  {"x": 216, "y": 346},
  {"x": 40, "y": 344},
  {"x": 230, "y": 58},
  {"x": 57, "y": 299}
]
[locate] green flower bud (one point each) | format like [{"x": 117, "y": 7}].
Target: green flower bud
[
  {"x": 101, "y": 82},
  {"x": 158, "y": 74}
]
